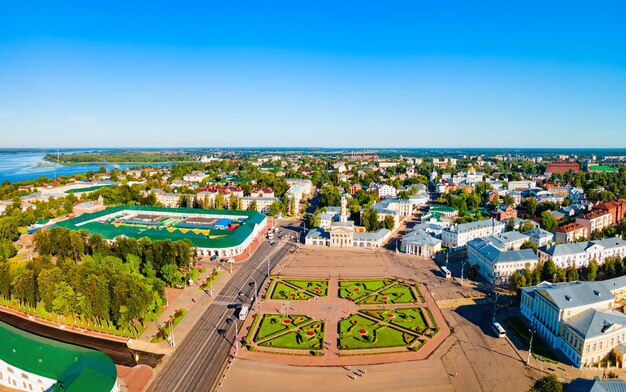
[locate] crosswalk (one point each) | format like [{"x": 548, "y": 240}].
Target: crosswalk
[{"x": 456, "y": 302}]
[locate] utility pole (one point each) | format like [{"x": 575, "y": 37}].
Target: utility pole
[
  {"x": 530, "y": 345},
  {"x": 268, "y": 266},
  {"x": 236, "y": 338}
]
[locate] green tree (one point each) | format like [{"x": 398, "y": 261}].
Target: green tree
[
  {"x": 220, "y": 201},
  {"x": 329, "y": 196},
  {"x": 5, "y": 280},
  {"x": 292, "y": 206},
  {"x": 529, "y": 245},
  {"x": 276, "y": 208},
  {"x": 168, "y": 273},
  {"x": 24, "y": 286},
  {"x": 47, "y": 281},
  {"x": 548, "y": 221},
  {"x": 547, "y": 383},
  {"x": 609, "y": 266},
  {"x": 572, "y": 274},
  {"x": 389, "y": 222},
  {"x": 64, "y": 299},
  {"x": 530, "y": 205},
  {"x": 7, "y": 249},
  {"x": 233, "y": 202},
  {"x": 369, "y": 219},
  {"x": 526, "y": 226},
  {"x": 252, "y": 206},
  {"x": 619, "y": 266},
  {"x": 591, "y": 270},
  {"x": 518, "y": 280},
  {"x": 548, "y": 271},
  {"x": 313, "y": 220}
]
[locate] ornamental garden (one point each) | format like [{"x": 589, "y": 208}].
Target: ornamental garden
[{"x": 319, "y": 317}]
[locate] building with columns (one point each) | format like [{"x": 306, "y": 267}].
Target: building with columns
[{"x": 342, "y": 233}]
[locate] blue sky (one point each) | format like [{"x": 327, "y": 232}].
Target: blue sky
[{"x": 328, "y": 74}]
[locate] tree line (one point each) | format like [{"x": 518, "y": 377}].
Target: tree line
[{"x": 613, "y": 266}]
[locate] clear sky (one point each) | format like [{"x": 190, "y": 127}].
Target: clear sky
[{"x": 315, "y": 73}]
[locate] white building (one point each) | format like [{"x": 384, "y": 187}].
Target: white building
[
  {"x": 509, "y": 240},
  {"x": 385, "y": 191},
  {"x": 298, "y": 189},
  {"x": 522, "y": 184},
  {"x": 579, "y": 254},
  {"x": 343, "y": 234},
  {"x": 195, "y": 176},
  {"x": 497, "y": 264},
  {"x": 419, "y": 242},
  {"x": 539, "y": 236},
  {"x": 262, "y": 203},
  {"x": 458, "y": 235},
  {"x": 578, "y": 318}
]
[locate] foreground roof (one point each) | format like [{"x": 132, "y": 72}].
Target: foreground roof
[
  {"x": 596, "y": 385},
  {"x": 75, "y": 368}
]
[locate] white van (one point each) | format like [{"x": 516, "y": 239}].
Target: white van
[
  {"x": 497, "y": 328},
  {"x": 243, "y": 312}
]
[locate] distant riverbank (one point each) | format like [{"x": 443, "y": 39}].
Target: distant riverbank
[{"x": 30, "y": 165}]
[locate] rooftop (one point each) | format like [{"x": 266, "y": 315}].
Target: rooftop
[{"x": 75, "y": 368}]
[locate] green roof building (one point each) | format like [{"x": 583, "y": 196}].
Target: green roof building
[
  {"x": 32, "y": 363},
  {"x": 220, "y": 243}
]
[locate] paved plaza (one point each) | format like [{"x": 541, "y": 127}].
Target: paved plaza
[{"x": 470, "y": 359}]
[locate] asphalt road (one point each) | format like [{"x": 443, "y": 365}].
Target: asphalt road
[{"x": 199, "y": 359}]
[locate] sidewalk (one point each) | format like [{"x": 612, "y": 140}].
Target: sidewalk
[{"x": 194, "y": 300}]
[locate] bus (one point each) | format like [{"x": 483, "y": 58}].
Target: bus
[
  {"x": 446, "y": 272},
  {"x": 497, "y": 328}
]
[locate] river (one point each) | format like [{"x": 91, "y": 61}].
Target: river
[{"x": 27, "y": 165}]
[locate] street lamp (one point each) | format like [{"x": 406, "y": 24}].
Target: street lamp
[
  {"x": 462, "y": 268},
  {"x": 255, "y": 289},
  {"x": 495, "y": 303},
  {"x": 530, "y": 345}
]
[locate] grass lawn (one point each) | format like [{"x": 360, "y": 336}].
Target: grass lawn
[
  {"x": 357, "y": 332},
  {"x": 309, "y": 337},
  {"x": 272, "y": 324},
  {"x": 540, "y": 349},
  {"x": 397, "y": 294},
  {"x": 176, "y": 318},
  {"x": 317, "y": 287},
  {"x": 283, "y": 292},
  {"x": 411, "y": 319},
  {"x": 356, "y": 289}
]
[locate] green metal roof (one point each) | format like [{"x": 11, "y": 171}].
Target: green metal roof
[
  {"x": 75, "y": 368},
  {"x": 442, "y": 208},
  {"x": 603, "y": 168},
  {"x": 107, "y": 231},
  {"x": 88, "y": 189}
]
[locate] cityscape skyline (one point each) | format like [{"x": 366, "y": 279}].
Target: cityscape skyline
[{"x": 244, "y": 75}]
